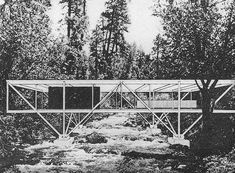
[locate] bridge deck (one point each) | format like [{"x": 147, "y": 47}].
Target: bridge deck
[
  {"x": 178, "y": 91},
  {"x": 118, "y": 111}
]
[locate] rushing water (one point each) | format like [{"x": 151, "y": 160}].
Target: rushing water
[{"x": 127, "y": 149}]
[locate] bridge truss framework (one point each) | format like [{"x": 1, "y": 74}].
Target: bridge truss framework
[{"x": 111, "y": 88}]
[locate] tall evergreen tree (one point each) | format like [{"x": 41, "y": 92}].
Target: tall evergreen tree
[
  {"x": 108, "y": 46},
  {"x": 25, "y": 53},
  {"x": 77, "y": 33},
  {"x": 198, "y": 43},
  {"x": 24, "y": 39}
]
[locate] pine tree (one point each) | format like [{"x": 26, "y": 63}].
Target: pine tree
[
  {"x": 108, "y": 46},
  {"x": 25, "y": 54},
  {"x": 77, "y": 33},
  {"x": 24, "y": 39}
]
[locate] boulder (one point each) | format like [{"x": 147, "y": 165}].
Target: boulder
[
  {"x": 95, "y": 138},
  {"x": 130, "y": 123}
]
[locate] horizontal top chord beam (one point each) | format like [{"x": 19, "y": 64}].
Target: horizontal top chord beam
[{"x": 106, "y": 85}]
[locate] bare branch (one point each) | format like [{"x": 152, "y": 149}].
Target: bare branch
[
  {"x": 203, "y": 82},
  {"x": 198, "y": 84}
]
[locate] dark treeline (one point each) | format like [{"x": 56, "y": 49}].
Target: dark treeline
[{"x": 197, "y": 43}]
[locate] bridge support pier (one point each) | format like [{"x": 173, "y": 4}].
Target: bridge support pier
[
  {"x": 179, "y": 140},
  {"x": 63, "y": 136},
  {"x": 65, "y": 141}
]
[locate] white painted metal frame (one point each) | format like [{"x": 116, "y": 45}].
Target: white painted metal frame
[{"x": 119, "y": 87}]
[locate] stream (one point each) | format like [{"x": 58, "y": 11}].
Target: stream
[{"x": 120, "y": 148}]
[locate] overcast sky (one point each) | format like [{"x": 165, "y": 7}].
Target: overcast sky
[{"x": 144, "y": 27}]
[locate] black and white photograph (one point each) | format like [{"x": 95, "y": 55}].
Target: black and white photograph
[{"x": 117, "y": 86}]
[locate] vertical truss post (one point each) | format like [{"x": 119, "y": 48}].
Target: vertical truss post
[
  {"x": 110, "y": 95},
  {"x": 149, "y": 95},
  {"x": 92, "y": 95},
  {"x": 150, "y": 105},
  {"x": 64, "y": 109},
  {"x": 153, "y": 105},
  {"x": 42, "y": 99},
  {"x": 7, "y": 99},
  {"x": 121, "y": 93},
  {"x": 135, "y": 101},
  {"x": 179, "y": 107},
  {"x": 36, "y": 96},
  {"x": 153, "y": 116},
  {"x": 116, "y": 100},
  {"x": 153, "y": 97},
  {"x": 148, "y": 108},
  {"x": 89, "y": 113}
]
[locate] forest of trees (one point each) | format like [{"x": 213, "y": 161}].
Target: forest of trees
[{"x": 198, "y": 42}]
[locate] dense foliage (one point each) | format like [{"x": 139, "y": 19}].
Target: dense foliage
[
  {"x": 28, "y": 51},
  {"x": 197, "y": 43},
  {"x": 109, "y": 49},
  {"x": 76, "y": 62}
]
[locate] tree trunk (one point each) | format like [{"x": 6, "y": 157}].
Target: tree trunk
[
  {"x": 204, "y": 143},
  {"x": 206, "y": 112},
  {"x": 84, "y": 7},
  {"x": 69, "y": 14}
]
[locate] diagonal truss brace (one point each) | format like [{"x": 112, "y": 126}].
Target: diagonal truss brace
[
  {"x": 190, "y": 127},
  {"x": 147, "y": 107},
  {"x": 164, "y": 115},
  {"x": 70, "y": 119},
  {"x": 134, "y": 107},
  {"x": 34, "y": 109},
  {"x": 199, "y": 118},
  {"x": 225, "y": 92},
  {"x": 109, "y": 95},
  {"x": 98, "y": 104}
]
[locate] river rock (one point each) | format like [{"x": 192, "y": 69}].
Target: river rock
[{"x": 95, "y": 138}]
